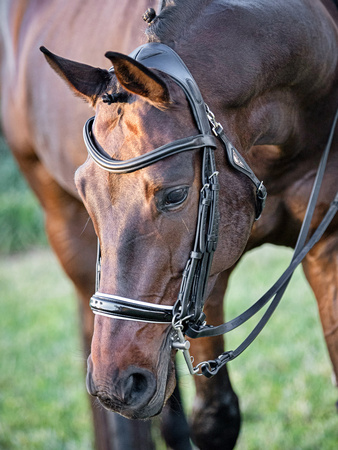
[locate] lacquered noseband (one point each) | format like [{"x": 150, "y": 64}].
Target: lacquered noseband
[{"x": 125, "y": 308}]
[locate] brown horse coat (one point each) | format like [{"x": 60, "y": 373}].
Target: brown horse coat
[{"x": 268, "y": 70}]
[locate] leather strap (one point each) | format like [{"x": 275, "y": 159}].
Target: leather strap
[
  {"x": 237, "y": 161},
  {"x": 204, "y": 331},
  {"x": 125, "y": 308},
  {"x": 139, "y": 162},
  {"x": 210, "y": 368},
  {"x": 161, "y": 57}
]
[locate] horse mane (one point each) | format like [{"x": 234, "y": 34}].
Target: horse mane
[{"x": 175, "y": 19}]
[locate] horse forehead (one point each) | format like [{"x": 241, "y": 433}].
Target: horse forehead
[{"x": 134, "y": 128}]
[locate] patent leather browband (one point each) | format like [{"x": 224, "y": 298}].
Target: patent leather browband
[{"x": 140, "y": 162}]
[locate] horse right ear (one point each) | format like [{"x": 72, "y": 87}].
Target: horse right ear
[{"x": 86, "y": 81}]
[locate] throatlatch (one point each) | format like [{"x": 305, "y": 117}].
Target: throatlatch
[{"x": 187, "y": 316}]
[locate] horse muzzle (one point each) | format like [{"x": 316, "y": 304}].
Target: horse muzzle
[
  {"x": 135, "y": 392},
  {"x": 133, "y": 396}
]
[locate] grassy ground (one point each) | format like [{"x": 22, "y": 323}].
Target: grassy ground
[
  {"x": 42, "y": 393},
  {"x": 289, "y": 368},
  {"x": 283, "y": 380},
  {"x": 21, "y": 220}
]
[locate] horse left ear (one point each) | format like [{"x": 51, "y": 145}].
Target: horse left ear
[
  {"x": 138, "y": 79},
  {"x": 86, "y": 81}
]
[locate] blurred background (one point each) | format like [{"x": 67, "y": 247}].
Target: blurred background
[{"x": 283, "y": 380}]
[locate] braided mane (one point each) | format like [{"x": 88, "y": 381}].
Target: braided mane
[{"x": 175, "y": 20}]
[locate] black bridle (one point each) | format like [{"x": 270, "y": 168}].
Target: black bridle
[{"x": 186, "y": 316}]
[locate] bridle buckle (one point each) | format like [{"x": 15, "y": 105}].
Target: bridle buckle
[
  {"x": 216, "y": 127},
  {"x": 180, "y": 343}
]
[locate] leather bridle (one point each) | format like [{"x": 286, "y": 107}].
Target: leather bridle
[{"x": 186, "y": 316}]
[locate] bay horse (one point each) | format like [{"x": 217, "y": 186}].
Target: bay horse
[{"x": 268, "y": 71}]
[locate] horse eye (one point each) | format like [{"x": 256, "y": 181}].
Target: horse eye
[{"x": 175, "y": 197}]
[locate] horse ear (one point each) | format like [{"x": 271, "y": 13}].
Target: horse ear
[
  {"x": 138, "y": 79},
  {"x": 86, "y": 81}
]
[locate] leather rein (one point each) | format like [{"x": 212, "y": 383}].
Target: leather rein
[{"x": 186, "y": 315}]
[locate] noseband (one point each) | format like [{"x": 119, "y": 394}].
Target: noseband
[{"x": 186, "y": 316}]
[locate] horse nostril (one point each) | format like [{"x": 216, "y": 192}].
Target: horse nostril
[
  {"x": 89, "y": 379},
  {"x": 134, "y": 386},
  {"x": 137, "y": 387}
]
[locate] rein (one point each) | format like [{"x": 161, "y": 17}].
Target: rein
[{"x": 186, "y": 316}]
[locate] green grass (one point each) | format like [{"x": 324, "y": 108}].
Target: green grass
[
  {"x": 21, "y": 219},
  {"x": 42, "y": 395},
  {"x": 283, "y": 379},
  {"x": 288, "y": 366}
]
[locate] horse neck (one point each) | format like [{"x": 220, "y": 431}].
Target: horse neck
[
  {"x": 176, "y": 16},
  {"x": 251, "y": 59}
]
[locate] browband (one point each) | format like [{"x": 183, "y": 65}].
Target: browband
[{"x": 139, "y": 162}]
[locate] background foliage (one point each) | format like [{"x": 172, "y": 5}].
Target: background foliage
[{"x": 283, "y": 380}]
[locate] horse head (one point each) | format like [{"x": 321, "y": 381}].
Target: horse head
[{"x": 146, "y": 222}]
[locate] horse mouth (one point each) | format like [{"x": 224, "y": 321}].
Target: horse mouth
[{"x": 130, "y": 413}]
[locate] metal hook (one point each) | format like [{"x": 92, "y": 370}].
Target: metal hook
[{"x": 214, "y": 174}]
